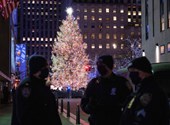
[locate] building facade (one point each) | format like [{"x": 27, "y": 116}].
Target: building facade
[
  {"x": 156, "y": 30},
  {"x": 105, "y": 24},
  {"x": 39, "y": 22}
]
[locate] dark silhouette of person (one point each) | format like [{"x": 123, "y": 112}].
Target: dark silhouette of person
[
  {"x": 35, "y": 102},
  {"x": 149, "y": 104},
  {"x": 105, "y": 94}
]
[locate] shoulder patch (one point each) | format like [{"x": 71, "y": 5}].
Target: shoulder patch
[
  {"x": 26, "y": 91},
  {"x": 145, "y": 99}
]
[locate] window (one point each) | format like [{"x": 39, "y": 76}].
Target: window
[
  {"x": 93, "y": 46},
  {"x": 92, "y": 10},
  {"x": 146, "y": 19},
  {"x": 122, "y": 46},
  {"x": 168, "y": 8},
  {"x": 92, "y": 36},
  {"x": 114, "y": 10},
  {"x": 114, "y": 27},
  {"x": 114, "y": 36},
  {"x": 85, "y": 10},
  {"x": 85, "y": 17},
  {"x": 114, "y": 18},
  {"x": 129, "y": 13},
  {"x": 100, "y": 35},
  {"x": 92, "y": 17},
  {"x": 114, "y": 46},
  {"x": 107, "y": 36},
  {"x": 100, "y": 19},
  {"x": 107, "y": 10},
  {"x": 162, "y": 49},
  {"x": 100, "y": 10},
  {"x": 168, "y": 47},
  {"x": 162, "y": 18},
  {"x": 107, "y": 46},
  {"x": 85, "y": 36},
  {"x": 85, "y": 45},
  {"x": 122, "y": 11},
  {"x": 100, "y": 46},
  {"x": 122, "y": 27}
]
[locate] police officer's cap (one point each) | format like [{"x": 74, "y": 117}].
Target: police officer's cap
[{"x": 141, "y": 63}]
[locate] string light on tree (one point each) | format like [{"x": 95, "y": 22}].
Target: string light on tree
[{"x": 68, "y": 56}]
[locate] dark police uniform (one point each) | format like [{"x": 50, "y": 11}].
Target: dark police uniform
[
  {"x": 36, "y": 104},
  {"x": 148, "y": 106},
  {"x": 103, "y": 99}
]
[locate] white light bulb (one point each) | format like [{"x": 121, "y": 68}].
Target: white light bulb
[{"x": 69, "y": 11}]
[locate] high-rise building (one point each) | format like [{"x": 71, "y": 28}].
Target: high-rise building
[
  {"x": 39, "y": 22},
  {"x": 106, "y": 24},
  {"x": 156, "y": 30}
]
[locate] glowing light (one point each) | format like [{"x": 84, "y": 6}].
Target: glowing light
[
  {"x": 157, "y": 57},
  {"x": 69, "y": 11}
]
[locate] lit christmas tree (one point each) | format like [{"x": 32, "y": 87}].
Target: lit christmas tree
[{"x": 68, "y": 56}]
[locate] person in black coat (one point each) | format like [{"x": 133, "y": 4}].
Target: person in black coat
[
  {"x": 35, "y": 102},
  {"x": 105, "y": 95},
  {"x": 149, "y": 104}
]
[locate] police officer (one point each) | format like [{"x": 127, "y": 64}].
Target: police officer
[
  {"x": 35, "y": 103},
  {"x": 104, "y": 95},
  {"x": 149, "y": 104}
]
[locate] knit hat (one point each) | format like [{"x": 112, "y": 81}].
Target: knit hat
[
  {"x": 107, "y": 60},
  {"x": 141, "y": 63},
  {"x": 36, "y": 63}
]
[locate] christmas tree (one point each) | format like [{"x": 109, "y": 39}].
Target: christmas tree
[{"x": 68, "y": 56}]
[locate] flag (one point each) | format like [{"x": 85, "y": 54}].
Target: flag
[{"x": 7, "y": 6}]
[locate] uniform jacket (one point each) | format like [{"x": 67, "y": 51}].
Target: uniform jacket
[
  {"x": 35, "y": 103},
  {"x": 148, "y": 106},
  {"x": 103, "y": 99}
]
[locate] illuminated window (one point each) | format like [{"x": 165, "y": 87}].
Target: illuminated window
[
  {"x": 107, "y": 46},
  {"x": 114, "y": 11},
  {"x": 100, "y": 19},
  {"x": 162, "y": 23},
  {"x": 33, "y": 2},
  {"x": 92, "y": 10},
  {"x": 51, "y": 39},
  {"x": 85, "y": 10},
  {"x": 114, "y": 36},
  {"x": 168, "y": 47},
  {"x": 121, "y": 11},
  {"x": 122, "y": 36},
  {"x": 114, "y": 27},
  {"x": 129, "y": 19},
  {"x": 92, "y": 36},
  {"x": 114, "y": 18},
  {"x": 100, "y": 10},
  {"x": 139, "y": 13},
  {"x": 37, "y": 39},
  {"x": 107, "y": 36},
  {"x": 134, "y": 13},
  {"x": 93, "y": 46},
  {"x": 85, "y": 36},
  {"x": 78, "y": 17},
  {"x": 132, "y": 33},
  {"x": 100, "y": 35},
  {"x": 46, "y": 39},
  {"x": 85, "y": 17},
  {"x": 162, "y": 49},
  {"x": 46, "y": 45},
  {"x": 122, "y": 27},
  {"x": 107, "y": 10},
  {"x": 129, "y": 12},
  {"x": 122, "y": 46},
  {"x": 23, "y": 38},
  {"x": 114, "y": 46},
  {"x": 28, "y": 39},
  {"x": 137, "y": 25},
  {"x": 92, "y": 17},
  {"x": 42, "y": 39},
  {"x": 85, "y": 45},
  {"x": 107, "y": 26},
  {"x": 100, "y": 46}
]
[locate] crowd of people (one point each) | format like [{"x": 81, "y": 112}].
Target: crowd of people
[{"x": 109, "y": 99}]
